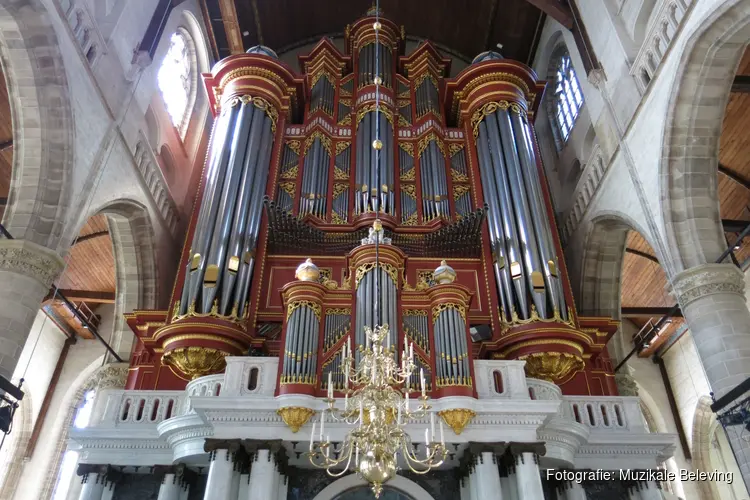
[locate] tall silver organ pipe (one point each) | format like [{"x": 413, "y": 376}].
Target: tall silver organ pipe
[
  {"x": 315, "y": 179},
  {"x": 427, "y": 98},
  {"x": 372, "y": 165},
  {"x": 451, "y": 348},
  {"x": 301, "y": 345},
  {"x": 368, "y": 69},
  {"x": 366, "y": 314},
  {"x": 322, "y": 95},
  {"x": 519, "y": 230},
  {"x": 229, "y": 219},
  {"x": 434, "y": 183}
]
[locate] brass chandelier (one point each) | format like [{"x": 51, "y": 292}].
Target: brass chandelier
[{"x": 377, "y": 409}]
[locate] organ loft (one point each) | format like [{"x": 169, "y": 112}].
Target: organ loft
[{"x": 366, "y": 188}]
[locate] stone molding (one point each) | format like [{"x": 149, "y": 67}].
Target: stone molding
[
  {"x": 626, "y": 384},
  {"x": 29, "y": 259},
  {"x": 111, "y": 376},
  {"x": 707, "y": 279}
]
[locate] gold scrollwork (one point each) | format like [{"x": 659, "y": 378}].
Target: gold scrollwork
[
  {"x": 411, "y": 220},
  {"x": 259, "y": 103},
  {"x": 415, "y": 312},
  {"x": 361, "y": 112},
  {"x": 337, "y": 219},
  {"x": 458, "y": 176},
  {"x": 339, "y": 188},
  {"x": 293, "y": 145},
  {"x": 288, "y": 187},
  {"x": 365, "y": 268},
  {"x": 534, "y": 317},
  {"x": 194, "y": 361},
  {"x": 303, "y": 303},
  {"x": 341, "y": 147},
  {"x": 408, "y": 147},
  {"x": 454, "y": 148},
  {"x": 340, "y": 175},
  {"x": 499, "y": 76},
  {"x": 291, "y": 173},
  {"x": 490, "y": 108},
  {"x": 324, "y": 140},
  {"x": 418, "y": 81},
  {"x": 339, "y": 311},
  {"x": 402, "y": 122},
  {"x": 424, "y": 141},
  {"x": 444, "y": 307},
  {"x": 319, "y": 75},
  {"x": 346, "y": 119},
  {"x": 233, "y": 316},
  {"x": 459, "y": 190},
  {"x": 256, "y": 71},
  {"x": 409, "y": 175}
]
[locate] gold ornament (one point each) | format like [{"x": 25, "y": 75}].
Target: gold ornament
[
  {"x": 376, "y": 25},
  {"x": 194, "y": 361},
  {"x": 444, "y": 274},
  {"x": 295, "y": 416},
  {"x": 307, "y": 271},
  {"x": 377, "y": 144},
  {"x": 457, "y": 418},
  {"x": 556, "y": 367},
  {"x": 377, "y": 80}
]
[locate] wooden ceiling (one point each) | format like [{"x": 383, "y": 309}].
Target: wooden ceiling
[
  {"x": 285, "y": 24},
  {"x": 6, "y": 144},
  {"x": 644, "y": 284}
]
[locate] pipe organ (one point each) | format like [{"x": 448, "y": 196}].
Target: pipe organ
[{"x": 307, "y": 170}]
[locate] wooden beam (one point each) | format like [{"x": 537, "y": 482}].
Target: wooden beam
[
  {"x": 231, "y": 26},
  {"x": 734, "y": 226},
  {"x": 3, "y": 201},
  {"x": 649, "y": 312},
  {"x": 490, "y": 24},
  {"x": 556, "y": 10},
  {"x": 85, "y": 296},
  {"x": 734, "y": 176},
  {"x": 6, "y": 145},
  {"x": 39, "y": 423},
  {"x": 642, "y": 254},
  {"x": 258, "y": 27},
  {"x": 92, "y": 236},
  {"x": 741, "y": 84}
]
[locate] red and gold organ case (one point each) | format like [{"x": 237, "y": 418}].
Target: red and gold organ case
[{"x": 470, "y": 264}]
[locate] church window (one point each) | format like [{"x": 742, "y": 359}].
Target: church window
[
  {"x": 568, "y": 98},
  {"x": 176, "y": 80}
]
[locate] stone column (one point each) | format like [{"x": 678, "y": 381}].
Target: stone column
[
  {"x": 170, "y": 488},
  {"x": 465, "y": 491},
  {"x": 649, "y": 490},
  {"x": 528, "y": 479},
  {"x": 473, "y": 488},
  {"x": 27, "y": 271},
  {"x": 262, "y": 476},
  {"x": 712, "y": 298},
  {"x": 244, "y": 491},
  {"x": 488, "y": 476},
  {"x": 109, "y": 490},
  {"x": 575, "y": 491},
  {"x": 94, "y": 478},
  {"x": 283, "y": 486},
  {"x": 223, "y": 454}
]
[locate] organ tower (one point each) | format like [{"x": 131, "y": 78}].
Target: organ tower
[{"x": 304, "y": 174}]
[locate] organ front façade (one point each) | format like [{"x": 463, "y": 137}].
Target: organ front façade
[{"x": 445, "y": 175}]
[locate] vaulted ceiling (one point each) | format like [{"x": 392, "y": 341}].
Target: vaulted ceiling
[{"x": 463, "y": 29}]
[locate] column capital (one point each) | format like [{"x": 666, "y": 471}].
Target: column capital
[
  {"x": 231, "y": 445},
  {"x": 707, "y": 279},
  {"x": 29, "y": 259}
]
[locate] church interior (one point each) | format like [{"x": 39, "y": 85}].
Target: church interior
[{"x": 328, "y": 250}]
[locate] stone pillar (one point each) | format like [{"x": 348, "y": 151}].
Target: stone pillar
[
  {"x": 283, "y": 486},
  {"x": 473, "y": 488},
  {"x": 244, "y": 492},
  {"x": 262, "y": 476},
  {"x": 575, "y": 491},
  {"x": 488, "y": 476},
  {"x": 465, "y": 491},
  {"x": 27, "y": 271},
  {"x": 93, "y": 484},
  {"x": 109, "y": 490},
  {"x": 170, "y": 488},
  {"x": 649, "y": 490},
  {"x": 223, "y": 454},
  {"x": 712, "y": 298},
  {"x": 528, "y": 480}
]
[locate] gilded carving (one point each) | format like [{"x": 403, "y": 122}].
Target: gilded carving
[
  {"x": 195, "y": 362},
  {"x": 324, "y": 140},
  {"x": 490, "y": 108},
  {"x": 556, "y": 367},
  {"x": 361, "y": 112},
  {"x": 454, "y": 148},
  {"x": 295, "y": 416},
  {"x": 365, "y": 268},
  {"x": 457, "y": 418},
  {"x": 444, "y": 307},
  {"x": 300, "y": 303},
  {"x": 342, "y": 146},
  {"x": 424, "y": 141}
]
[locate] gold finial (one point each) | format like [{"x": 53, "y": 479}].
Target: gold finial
[
  {"x": 377, "y": 144},
  {"x": 377, "y": 225},
  {"x": 376, "y": 25}
]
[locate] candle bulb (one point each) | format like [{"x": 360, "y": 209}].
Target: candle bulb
[
  {"x": 407, "y": 402},
  {"x": 330, "y": 386},
  {"x": 398, "y": 420},
  {"x": 322, "y": 424},
  {"x": 426, "y": 437},
  {"x": 411, "y": 352},
  {"x": 421, "y": 379},
  {"x": 361, "y": 413},
  {"x": 328, "y": 448},
  {"x": 312, "y": 435},
  {"x": 442, "y": 437},
  {"x": 349, "y": 346},
  {"x": 432, "y": 425}
]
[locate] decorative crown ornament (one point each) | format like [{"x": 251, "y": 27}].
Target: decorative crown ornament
[
  {"x": 444, "y": 274},
  {"x": 307, "y": 271}
]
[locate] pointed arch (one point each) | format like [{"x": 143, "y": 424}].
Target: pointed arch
[{"x": 42, "y": 123}]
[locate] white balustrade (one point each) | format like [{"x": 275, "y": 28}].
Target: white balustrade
[
  {"x": 664, "y": 24},
  {"x": 541, "y": 390},
  {"x": 500, "y": 379},
  {"x": 248, "y": 375},
  {"x": 85, "y": 31},
  {"x": 604, "y": 412},
  {"x": 156, "y": 184},
  {"x": 148, "y": 407}
]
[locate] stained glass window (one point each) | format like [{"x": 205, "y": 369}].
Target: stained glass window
[
  {"x": 568, "y": 97},
  {"x": 175, "y": 79}
]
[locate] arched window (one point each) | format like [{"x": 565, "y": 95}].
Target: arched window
[
  {"x": 567, "y": 96},
  {"x": 176, "y": 79}
]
